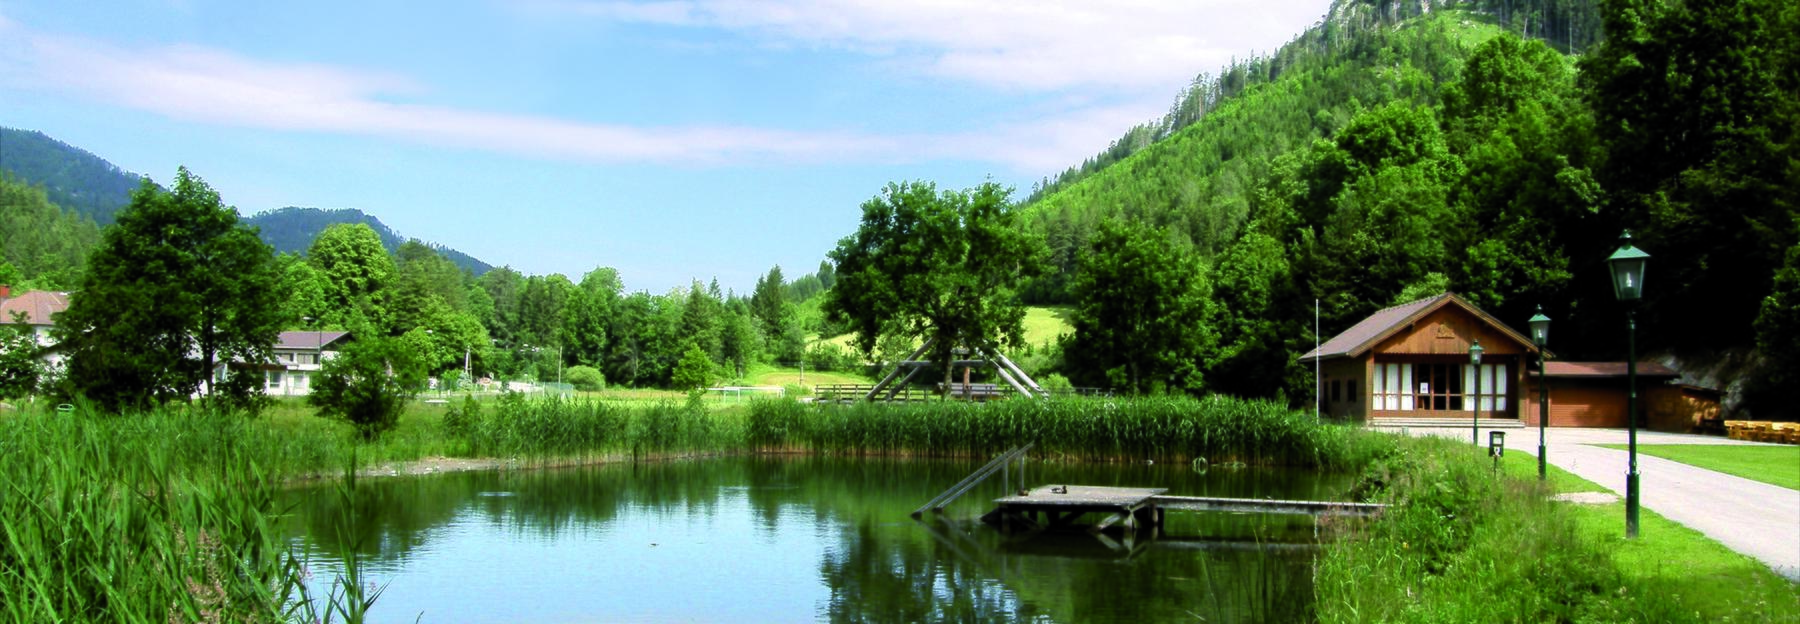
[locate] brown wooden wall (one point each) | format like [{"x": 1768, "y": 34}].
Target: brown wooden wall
[
  {"x": 1450, "y": 331},
  {"x": 1601, "y": 403}
]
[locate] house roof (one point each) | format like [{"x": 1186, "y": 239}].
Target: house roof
[
  {"x": 1605, "y": 369},
  {"x": 40, "y": 306},
  {"x": 313, "y": 340},
  {"x": 1384, "y": 323}
]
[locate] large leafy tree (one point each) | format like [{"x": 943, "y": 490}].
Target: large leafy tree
[
  {"x": 176, "y": 287},
  {"x": 1143, "y": 321},
  {"x": 936, "y": 265},
  {"x": 1698, "y": 106},
  {"x": 357, "y": 273}
]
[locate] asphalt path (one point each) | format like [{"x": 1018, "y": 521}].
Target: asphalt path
[{"x": 1751, "y": 517}]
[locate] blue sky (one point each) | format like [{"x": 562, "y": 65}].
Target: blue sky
[{"x": 679, "y": 140}]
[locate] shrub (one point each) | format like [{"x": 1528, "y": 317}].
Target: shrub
[
  {"x": 368, "y": 384},
  {"x": 585, "y": 378}
]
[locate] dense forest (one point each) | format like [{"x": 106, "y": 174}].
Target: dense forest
[
  {"x": 292, "y": 230},
  {"x": 1380, "y": 156},
  {"x": 71, "y": 177}
]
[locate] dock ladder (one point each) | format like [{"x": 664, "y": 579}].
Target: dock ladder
[{"x": 1003, "y": 462}]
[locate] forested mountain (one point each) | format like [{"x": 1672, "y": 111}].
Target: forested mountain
[
  {"x": 1399, "y": 149},
  {"x": 70, "y": 176},
  {"x": 42, "y": 246},
  {"x": 292, "y": 230}
]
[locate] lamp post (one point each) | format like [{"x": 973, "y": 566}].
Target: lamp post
[
  {"x": 1475, "y": 362},
  {"x": 1540, "y": 335},
  {"x": 1627, "y": 266}
]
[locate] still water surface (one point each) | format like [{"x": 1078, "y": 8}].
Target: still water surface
[{"x": 779, "y": 539}]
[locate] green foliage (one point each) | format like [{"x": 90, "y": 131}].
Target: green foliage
[
  {"x": 588, "y": 315},
  {"x": 1698, "y": 110},
  {"x": 557, "y": 428},
  {"x": 585, "y": 378},
  {"x": 177, "y": 288},
  {"x": 20, "y": 368},
  {"x": 80, "y": 182},
  {"x": 695, "y": 370},
  {"x": 828, "y": 356},
  {"x": 369, "y": 383},
  {"x": 356, "y": 272},
  {"x": 1144, "y": 319},
  {"x": 940, "y": 266},
  {"x": 44, "y": 245},
  {"x": 1459, "y": 543},
  {"x": 293, "y": 230},
  {"x": 1217, "y": 428},
  {"x": 1778, "y": 326}
]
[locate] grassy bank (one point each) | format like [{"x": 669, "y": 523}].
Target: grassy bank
[{"x": 1462, "y": 544}]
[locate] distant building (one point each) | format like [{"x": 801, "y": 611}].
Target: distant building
[
  {"x": 298, "y": 355},
  {"x": 37, "y": 308},
  {"x": 1410, "y": 363}
]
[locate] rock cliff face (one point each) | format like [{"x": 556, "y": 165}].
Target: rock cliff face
[{"x": 1732, "y": 371}]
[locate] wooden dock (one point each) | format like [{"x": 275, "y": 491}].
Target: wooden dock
[{"x": 1059, "y": 506}]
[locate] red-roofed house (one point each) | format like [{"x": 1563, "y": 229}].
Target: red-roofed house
[
  {"x": 1410, "y": 363},
  {"x": 37, "y": 308}
]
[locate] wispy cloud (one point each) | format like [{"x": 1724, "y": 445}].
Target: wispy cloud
[
  {"x": 1045, "y": 44},
  {"x": 1121, "y": 60},
  {"x": 215, "y": 87}
]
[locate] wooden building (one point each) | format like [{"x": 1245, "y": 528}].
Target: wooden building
[
  {"x": 1411, "y": 361},
  {"x": 1593, "y": 394}
]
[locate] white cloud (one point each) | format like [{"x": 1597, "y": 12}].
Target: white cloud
[
  {"x": 1117, "y": 64},
  {"x": 1040, "y": 45}
]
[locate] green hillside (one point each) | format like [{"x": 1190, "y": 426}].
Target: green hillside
[
  {"x": 71, "y": 177},
  {"x": 292, "y": 230},
  {"x": 1392, "y": 152}
]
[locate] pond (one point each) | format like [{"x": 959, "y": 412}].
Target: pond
[{"x": 764, "y": 539}]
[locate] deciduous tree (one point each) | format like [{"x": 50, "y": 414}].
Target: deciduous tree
[
  {"x": 937, "y": 265},
  {"x": 176, "y": 287}
]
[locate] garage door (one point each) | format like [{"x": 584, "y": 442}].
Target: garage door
[{"x": 1587, "y": 407}]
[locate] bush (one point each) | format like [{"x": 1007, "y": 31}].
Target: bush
[
  {"x": 368, "y": 384},
  {"x": 585, "y": 378},
  {"x": 828, "y": 356}
]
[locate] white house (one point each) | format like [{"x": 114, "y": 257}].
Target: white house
[
  {"x": 297, "y": 358},
  {"x": 38, "y": 309}
]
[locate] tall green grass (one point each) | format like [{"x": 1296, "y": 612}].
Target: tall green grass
[
  {"x": 1217, "y": 429},
  {"x": 515, "y": 427},
  {"x": 1460, "y": 543},
  {"x": 155, "y": 517}
]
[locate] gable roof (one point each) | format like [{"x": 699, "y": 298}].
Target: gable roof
[
  {"x": 308, "y": 340},
  {"x": 40, "y": 307},
  {"x": 1384, "y": 323}
]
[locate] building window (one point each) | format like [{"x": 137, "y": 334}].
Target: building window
[
  {"x": 274, "y": 379},
  {"x": 1493, "y": 387},
  {"x": 307, "y": 358},
  {"x": 1337, "y": 386}
]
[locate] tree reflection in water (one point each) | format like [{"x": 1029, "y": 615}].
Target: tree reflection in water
[{"x": 872, "y": 562}]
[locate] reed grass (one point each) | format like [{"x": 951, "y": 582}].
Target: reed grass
[
  {"x": 556, "y": 427},
  {"x": 1216, "y": 429},
  {"x": 159, "y": 517}
]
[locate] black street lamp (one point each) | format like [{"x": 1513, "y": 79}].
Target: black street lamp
[
  {"x": 1628, "y": 285},
  {"x": 1540, "y": 335},
  {"x": 1475, "y": 361}
]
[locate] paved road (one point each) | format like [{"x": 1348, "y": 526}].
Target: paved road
[{"x": 1751, "y": 517}]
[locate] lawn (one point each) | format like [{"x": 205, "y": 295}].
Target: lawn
[
  {"x": 1710, "y": 578},
  {"x": 1776, "y": 465},
  {"x": 1043, "y": 326}
]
